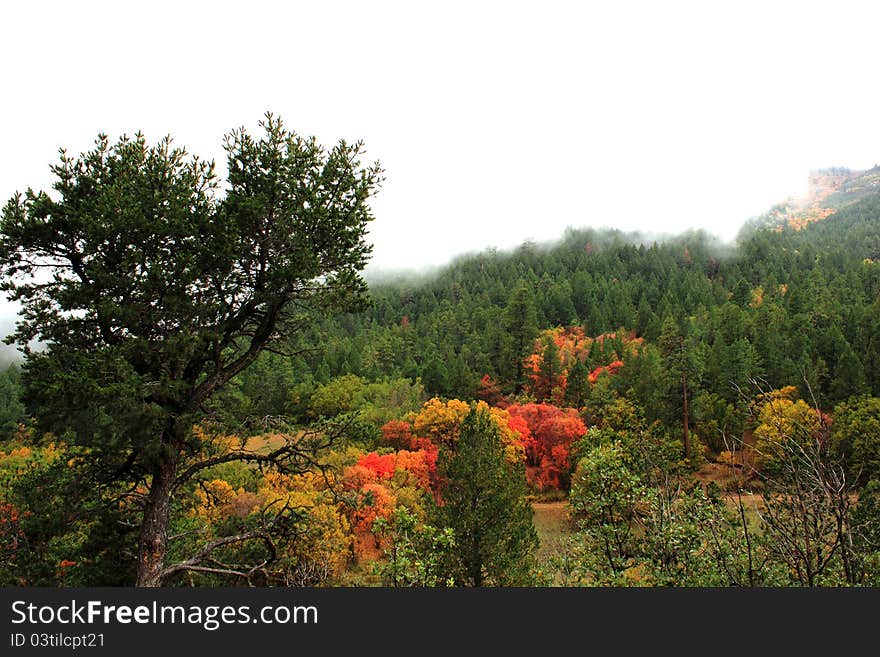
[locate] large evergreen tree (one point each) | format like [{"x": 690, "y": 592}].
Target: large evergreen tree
[
  {"x": 484, "y": 503},
  {"x": 682, "y": 367},
  {"x": 152, "y": 289}
]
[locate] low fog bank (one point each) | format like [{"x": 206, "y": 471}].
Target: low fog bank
[
  {"x": 598, "y": 238},
  {"x": 8, "y": 353}
]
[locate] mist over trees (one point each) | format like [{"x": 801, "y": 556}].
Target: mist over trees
[{"x": 222, "y": 400}]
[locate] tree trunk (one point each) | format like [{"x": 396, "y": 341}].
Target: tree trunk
[
  {"x": 687, "y": 435},
  {"x": 153, "y": 540},
  {"x": 476, "y": 562}
]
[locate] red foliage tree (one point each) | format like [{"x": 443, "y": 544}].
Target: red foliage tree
[
  {"x": 356, "y": 477},
  {"x": 518, "y": 424},
  {"x": 611, "y": 368},
  {"x": 397, "y": 434},
  {"x": 564, "y": 347},
  {"x": 12, "y": 539},
  {"x": 421, "y": 466},
  {"x": 552, "y": 430},
  {"x": 489, "y": 391},
  {"x": 383, "y": 466}
]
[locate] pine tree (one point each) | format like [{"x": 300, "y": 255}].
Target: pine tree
[
  {"x": 551, "y": 370},
  {"x": 849, "y": 376},
  {"x": 153, "y": 286},
  {"x": 521, "y": 326},
  {"x": 682, "y": 367},
  {"x": 577, "y": 388},
  {"x": 484, "y": 503}
]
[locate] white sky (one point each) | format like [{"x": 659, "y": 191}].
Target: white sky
[{"x": 495, "y": 122}]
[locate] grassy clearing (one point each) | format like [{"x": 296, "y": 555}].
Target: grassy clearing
[{"x": 551, "y": 523}]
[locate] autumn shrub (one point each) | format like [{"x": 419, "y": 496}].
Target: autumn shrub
[{"x": 551, "y": 433}]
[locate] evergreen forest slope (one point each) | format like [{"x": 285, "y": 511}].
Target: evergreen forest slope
[{"x": 791, "y": 306}]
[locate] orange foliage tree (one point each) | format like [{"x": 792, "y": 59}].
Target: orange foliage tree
[
  {"x": 397, "y": 434},
  {"x": 440, "y": 422},
  {"x": 12, "y": 540},
  {"x": 383, "y": 466},
  {"x": 551, "y": 432},
  {"x": 376, "y": 501},
  {"x": 557, "y": 350},
  {"x": 418, "y": 466},
  {"x": 610, "y": 368},
  {"x": 489, "y": 391}
]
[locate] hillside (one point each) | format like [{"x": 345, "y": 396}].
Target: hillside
[
  {"x": 699, "y": 378},
  {"x": 782, "y": 303},
  {"x": 829, "y": 191}
]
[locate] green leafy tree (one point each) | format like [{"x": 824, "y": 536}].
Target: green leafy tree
[
  {"x": 855, "y": 437},
  {"x": 436, "y": 376},
  {"x": 848, "y": 379},
  {"x": 742, "y": 294},
  {"x": 152, "y": 288},
  {"x": 484, "y": 503},
  {"x": 604, "y": 495},
  {"x": 338, "y": 396},
  {"x": 719, "y": 421},
  {"x": 415, "y": 553}
]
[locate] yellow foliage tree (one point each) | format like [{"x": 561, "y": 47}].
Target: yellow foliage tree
[
  {"x": 441, "y": 421},
  {"x": 322, "y": 546},
  {"x": 782, "y": 418},
  {"x": 217, "y": 500}
]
